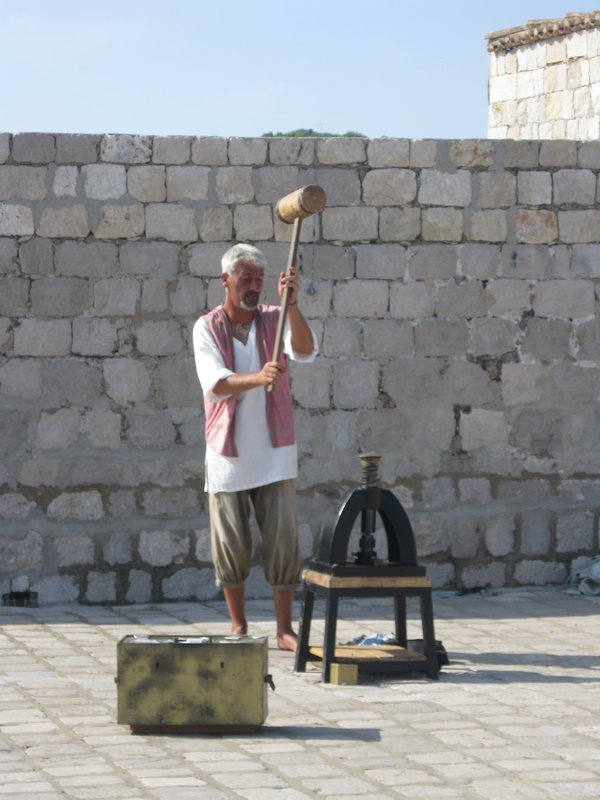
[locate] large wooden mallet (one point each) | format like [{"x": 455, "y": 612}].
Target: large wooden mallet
[{"x": 293, "y": 208}]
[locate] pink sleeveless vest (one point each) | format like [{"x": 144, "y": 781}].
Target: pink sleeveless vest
[{"x": 220, "y": 416}]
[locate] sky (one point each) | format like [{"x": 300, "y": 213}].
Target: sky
[{"x": 246, "y": 67}]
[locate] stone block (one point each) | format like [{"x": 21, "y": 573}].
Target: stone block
[
  {"x": 492, "y": 337},
  {"x": 15, "y": 506},
  {"x": 76, "y": 148},
  {"x": 172, "y": 222},
  {"x": 579, "y": 226},
  {"x": 64, "y": 182},
  {"x": 15, "y": 220},
  {"x": 21, "y": 378},
  {"x": 472, "y": 153},
  {"x": 272, "y": 183},
  {"x": 361, "y": 298},
  {"x": 76, "y": 505},
  {"x": 484, "y": 429},
  {"x": 8, "y": 256},
  {"x": 536, "y": 227},
  {"x": 209, "y": 150},
  {"x": 140, "y": 587},
  {"x": 438, "y": 493},
  {"x": 575, "y": 532},
  {"x": 350, "y": 224},
  {"x": 147, "y": 184},
  {"x": 158, "y": 259},
  {"x": 412, "y": 300},
  {"x": 33, "y": 148},
  {"x": 535, "y": 532},
  {"x": 4, "y": 147},
  {"x": 234, "y": 185},
  {"x": 433, "y": 535},
  {"x": 441, "y": 224},
  {"x": 355, "y": 383},
  {"x": 94, "y": 337},
  {"x": 57, "y": 590},
  {"x": 441, "y": 575},
  {"x": 540, "y": 573},
  {"x": 22, "y": 183},
  {"x": 21, "y": 554},
  {"x": 43, "y": 338},
  {"x": 508, "y": 297},
  {"x": 291, "y": 150},
  {"x": 386, "y": 339},
  {"x": 101, "y": 587},
  {"x": 72, "y": 382},
  {"x": 521, "y": 384},
  {"x": 125, "y": 149},
  {"x": 386, "y": 152},
  {"x": 127, "y": 380},
  {"x": 445, "y": 188},
  {"x": 116, "y": 297},
  {"x": 120, "y": 222},
  {"x": 104, "y": 181},
  {"x": 435, "y": 261},
  {"x": 588, "y": 340},
  {"x": 103, "y": 429},
  {"x": 399, "y": 224},
  {"x": 497, "y": 190},
  {"x": 559, "y": 153},
  {"x": 193, "y": 584},
  {"x": 535, "y": 188},
  {"x": 341, "y": 150},
  {"x": 589, "y": 152},
  {"x": 423, "y": 152},
  {"x": 311, "y": 388},
  {"x": 59, "y": 429},
  {"x": 465, "y": 383},
  {"x": 188, "y": 297},
  {"x": 341, "y": 185},
  {"x": 178, "y": 384},
  {"x": 521, "y": 154},
  {"x": 161, "y": 338},
  {"x": 474, "y": 490},
  {"x": 82, "y": 259},
  {"x": 467, "y": 538},
  {"x": 216, "y": 225},
  {"x": 574, "y": 186},
  {"x": 154, "y": 296},
  {"x": 564, "y": 299},
  {"x": 67, "y": 222},
  {"x": 169, "y": 502},
  {"x": 171, "y": 149},
  {"x": 489, "y": 226},
  {"x": 247, "y": 151},
  {"x": 385, "y": 261},
  {"x": 436, "y": 337},
  {"x": 5, "y": 334},
  {"x": 59, "y": 297},
  {"x": 121, "y": 503},
  {"x": 500, "y": 536},
  {"x": 479, "y": 260},
  {"x": 458, "y": 299},
  {"x": 547, "y": 339},
  {"x": 480, "y": 577},
  {"x": 409, "y": 380},
  {"x": 14, "y": 296},
  {"x": 187, "y": 183},
  {"x": 585, "y": 261},
  {"x": 152, "y": 430},
  {"x": 39, "y": 471},
  {"x": 252, "y": 223},
  {"x": 342, "y": 337},
  {"x": 163, "y": 548},
  {"x": 389, "y": 187}
]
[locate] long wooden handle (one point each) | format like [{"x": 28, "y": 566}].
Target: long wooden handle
[{"x": 292, "y": 256}]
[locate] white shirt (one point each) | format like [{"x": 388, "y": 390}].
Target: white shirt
[{"x": 258, "y": 462}]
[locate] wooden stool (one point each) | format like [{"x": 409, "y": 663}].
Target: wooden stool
[{"x": 399, "y": 658}]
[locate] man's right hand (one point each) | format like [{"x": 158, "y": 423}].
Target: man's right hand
[{"x": 270, "y": 373}]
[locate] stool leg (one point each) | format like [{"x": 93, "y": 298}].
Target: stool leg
[
  {"x": 304, "y": 630},
  {"x": 331, "y": 611},
  {"x": 400, "y": 617},
  {"x": 428, "y": 633}
]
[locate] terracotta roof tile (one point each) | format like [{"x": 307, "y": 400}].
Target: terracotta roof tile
[{"x": 538, "y": 30}]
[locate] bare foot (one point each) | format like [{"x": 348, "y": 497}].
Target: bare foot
[
  {"x": 287, "y": 641},
  {"x": 239, "y": 630}
]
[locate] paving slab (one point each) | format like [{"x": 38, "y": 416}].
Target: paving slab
[{"x": 515, "y": 714}]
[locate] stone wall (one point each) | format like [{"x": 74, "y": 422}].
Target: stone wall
[
  {"x": 453, "y": 288},
  {"x": 544, "y": 80}
]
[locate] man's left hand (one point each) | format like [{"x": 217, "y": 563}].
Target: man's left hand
[{"x": 291, "y": 282}]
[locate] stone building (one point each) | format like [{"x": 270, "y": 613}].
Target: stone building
[{"x": 544, "y": 79}]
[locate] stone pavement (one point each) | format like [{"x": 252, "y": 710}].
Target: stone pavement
[{"x": 515, "y": 715}]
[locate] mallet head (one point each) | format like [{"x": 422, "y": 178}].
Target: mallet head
[{"x": 302, "y": 203}]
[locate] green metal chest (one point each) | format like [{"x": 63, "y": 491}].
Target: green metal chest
[{"x": 187, "y": 683}]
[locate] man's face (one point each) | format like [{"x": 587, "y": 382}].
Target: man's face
[{"x": 245, "y": 285}]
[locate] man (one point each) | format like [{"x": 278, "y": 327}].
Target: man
[{"x": 251, "y": 452}]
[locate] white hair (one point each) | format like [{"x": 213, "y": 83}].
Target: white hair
[{"x": 242, "y": 252}]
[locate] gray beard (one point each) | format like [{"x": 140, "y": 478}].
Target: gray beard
[{"x": 247, "y": 307}]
